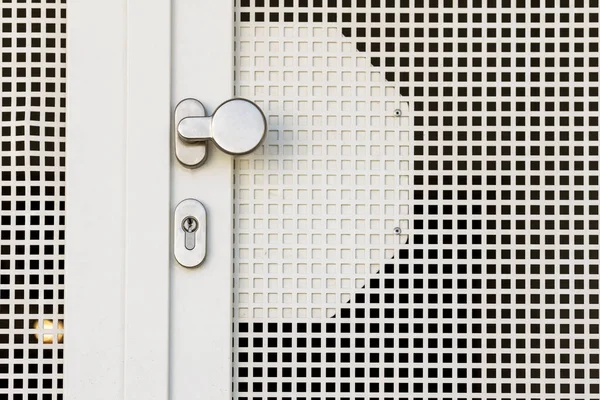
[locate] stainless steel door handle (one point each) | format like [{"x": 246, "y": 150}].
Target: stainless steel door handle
[{"x": 238, "y": 126}]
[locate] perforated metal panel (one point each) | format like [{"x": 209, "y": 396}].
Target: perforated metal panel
[
  {"x": 32, "y": 204},
  {"x": 495, "y": 295},
  {"x": 316, "y": 207}
]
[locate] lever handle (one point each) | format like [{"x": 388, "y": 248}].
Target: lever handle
[{"x": 238, "y": 126}]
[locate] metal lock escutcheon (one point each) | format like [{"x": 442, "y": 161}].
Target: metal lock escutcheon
[{"x": 189, "y": 238}]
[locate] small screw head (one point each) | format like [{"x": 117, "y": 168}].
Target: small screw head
[
  {"x": 397, "y": 230},
  {"x": 397, "y": 112},
  {"x": 189, "y": 224}
]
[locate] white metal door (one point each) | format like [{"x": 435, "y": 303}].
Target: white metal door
[{"x": 470, "y": 126}]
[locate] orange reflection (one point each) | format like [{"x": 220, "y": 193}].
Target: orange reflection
[{"x": 48, "y": 325}]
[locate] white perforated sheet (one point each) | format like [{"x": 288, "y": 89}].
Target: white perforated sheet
[
  {"x": 495, "y": 293},
  {"x": 316, "y": 206},
  {"x": 32, "y": 204}
]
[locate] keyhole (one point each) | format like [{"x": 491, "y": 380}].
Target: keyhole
[{"x": 190, "y": 226}]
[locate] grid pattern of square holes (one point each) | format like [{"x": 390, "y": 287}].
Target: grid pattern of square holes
[
  {"x": 32, "y": 203},
  {"x": 497, "y": 293},
  {"x": 315, "y": 206}
]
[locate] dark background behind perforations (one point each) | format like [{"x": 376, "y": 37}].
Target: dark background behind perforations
[
  {"x": 32, "y": 203},
  {"x": 497, "y": 295}
]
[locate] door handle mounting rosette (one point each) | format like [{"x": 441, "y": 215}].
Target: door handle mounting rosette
[{"x": 238, "y": 126}]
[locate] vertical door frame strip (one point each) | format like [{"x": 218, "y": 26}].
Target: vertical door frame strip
[
  {"x": 201, "y": 297},
  {"x": 147, "y": 199},
  {"x": 117, "y": 243}
]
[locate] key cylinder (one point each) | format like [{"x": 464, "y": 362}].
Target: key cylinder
[{"x": 190, "y": 226}]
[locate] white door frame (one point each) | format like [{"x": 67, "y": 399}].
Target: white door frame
[
  {"x": 201, "y": 298},
  {"x": 122, "y": 185}
]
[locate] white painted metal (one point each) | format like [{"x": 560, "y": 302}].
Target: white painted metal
[
  {"x": 96, "y": 201},
  {"x": 147, "y": 199},
  {"x": 201, "y": 298},
  {"x": 118, "y": 202}
]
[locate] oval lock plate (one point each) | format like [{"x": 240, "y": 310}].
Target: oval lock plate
[{"x": 189, "y": 238}]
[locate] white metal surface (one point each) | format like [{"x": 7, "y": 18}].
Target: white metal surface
[
  {"x": 147, "y": 196},
  {"x": 96, "y": 196},
  {"x": 201, "y": 297},
  {"x": 118, "y": 196}
]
